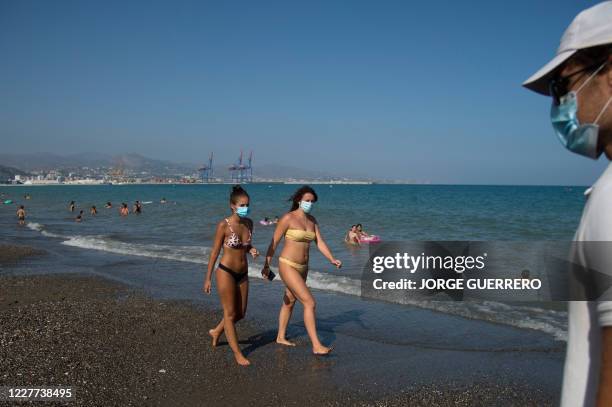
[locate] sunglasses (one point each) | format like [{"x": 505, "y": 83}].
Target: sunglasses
[{"x": 558, "y": 87}]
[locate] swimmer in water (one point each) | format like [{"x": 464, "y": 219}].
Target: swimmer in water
[
  {"x": 93, "y": 210},
  {"x": 108, "y": 205},
  {"x": 71, "y": 206},
  {"x": 299, "y": 229},
  {"x": 79, "y": 217},
  {"x": 352, "y": 237},
  {"x": 360, "y": 232},
  {"x": 21, "y": 214},
  {"x": 124, "y": 211},
  {"x": 137, "y": 208},
  {"x": 234, "y": 235},
  {"x": 163, "y": 201}
]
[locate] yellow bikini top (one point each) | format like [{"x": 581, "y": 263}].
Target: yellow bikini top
[{"x": 299, "y": 235}]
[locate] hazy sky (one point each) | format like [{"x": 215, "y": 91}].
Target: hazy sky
[{"x": 397, "y": 89}]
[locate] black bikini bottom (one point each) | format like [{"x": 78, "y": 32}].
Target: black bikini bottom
[{"x": 238, "y": 277}]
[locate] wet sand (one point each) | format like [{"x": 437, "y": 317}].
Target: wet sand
[
  {"x": 119, "y": 347},
  {"x": 12, "y": 254}
]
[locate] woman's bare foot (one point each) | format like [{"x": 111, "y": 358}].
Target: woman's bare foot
[
  {"x": 284, "y": 341},
  {"x": 322, "y": 350},
  {"x": 242, "y": 361},
  {"x": 215, "y": 337}
]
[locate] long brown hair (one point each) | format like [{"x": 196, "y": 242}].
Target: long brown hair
[{"x": 297, "y": 196}]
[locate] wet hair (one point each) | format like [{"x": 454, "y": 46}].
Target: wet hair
[
  {"x": 593, "y": 57},
  {"x": 297, "y": 196},
  {"x": 237, "y": 192},
  {"x": 359, "y": 224},
  {"x": 21, "y": 207}
]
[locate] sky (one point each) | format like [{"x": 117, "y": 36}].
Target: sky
[{"x": 426, "y": 91}]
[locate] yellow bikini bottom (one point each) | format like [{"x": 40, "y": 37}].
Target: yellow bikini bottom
[{"x": 301, "y": 268}]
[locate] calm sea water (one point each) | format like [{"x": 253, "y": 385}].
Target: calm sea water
[{"x": 182, "y": 229}]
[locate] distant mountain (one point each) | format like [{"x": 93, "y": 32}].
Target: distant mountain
[
  {"x": 49, "y": 161},
  {"x": 8, "y": 173},
  {"x": 132, "y": 162},
  {"x": 139, "y": 164}
]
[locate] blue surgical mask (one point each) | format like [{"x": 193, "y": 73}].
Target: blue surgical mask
[
  {"x": 242, "y": 211},
  {"x": 306, "y": 206},
  {"x": 577, "y": 138}
]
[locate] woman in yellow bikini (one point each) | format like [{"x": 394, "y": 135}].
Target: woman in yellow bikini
[
  {"x": 234, "y": 235},
  {"x": 299, "y": 229}
]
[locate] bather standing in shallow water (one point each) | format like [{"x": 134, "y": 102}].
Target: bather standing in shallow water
[
  {"x": 299, "y": 229},
  {"x": 234, "y": 235}
]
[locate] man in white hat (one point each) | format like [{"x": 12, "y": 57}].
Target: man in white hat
[{"x": 579, "y": 81}]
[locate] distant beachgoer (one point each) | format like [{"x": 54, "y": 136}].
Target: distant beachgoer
[
  {"x": 93, "y": 210},
  {"x": 79, "y": 217},
  {"x": 137, "y": 208},
  {"x": 234, "y": 234},
  {"x": 352, "y": 236},
  {"x": 124, "y": 211},
  {"x": 21, "y": 214},
  {"x": 163, "y": 201},
  {"x": 275, "y": 219},
  {"x": 360, "y": 231},
  {"x": 27, "y": 196},
  {"x": 71, "y": 206},
  {"x": 299, "y": 229},
  {"x": 108, "y": 205}
]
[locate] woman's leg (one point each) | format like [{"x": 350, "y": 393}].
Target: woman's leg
[
  {"x": 296, "y": 284},
  {"x": 243, "y": 296},
  {"x": 228, "y": 293},
  {"x": 243, "y": 299},
  {"x": 283, "y": 318},
  {"x": 216, "y": 332}
]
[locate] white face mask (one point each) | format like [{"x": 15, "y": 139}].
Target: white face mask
[
  {"x": 306, "y": 206},
  {"x": 577, "y": 138}
]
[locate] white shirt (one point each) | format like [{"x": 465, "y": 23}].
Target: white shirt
[{"x": 586, "y": 318}]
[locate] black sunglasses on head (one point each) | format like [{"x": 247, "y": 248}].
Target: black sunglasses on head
[{"x": 558, "y": 86}]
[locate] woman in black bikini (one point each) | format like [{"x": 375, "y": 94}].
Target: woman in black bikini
[{"x": 234, "y": 235}]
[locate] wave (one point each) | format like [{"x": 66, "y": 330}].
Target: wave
[
  {"x": 189, "y": 254},
  {"x": 545, "y": 320},
  {"x": 40, "y": 228}
]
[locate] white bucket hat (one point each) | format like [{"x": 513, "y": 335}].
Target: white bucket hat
[{"x": 590, "y": 28}]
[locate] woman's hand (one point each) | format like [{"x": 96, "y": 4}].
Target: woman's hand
[
  {"x": 254, "y": 252},
  {"x": 265, "y": 271},
  {"x": 336, "y": 263},
  {"x": 207, "y": 286}
]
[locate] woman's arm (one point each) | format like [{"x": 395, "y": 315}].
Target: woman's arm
[
  {"x": 214, "y": 254},
  {"x": 324, "y": 249},
  {"x": 279, "y": 232},
  {"x": 251, "y": 249}
]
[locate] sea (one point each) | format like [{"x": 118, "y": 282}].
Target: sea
[{"x": 166, "y": 248}]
